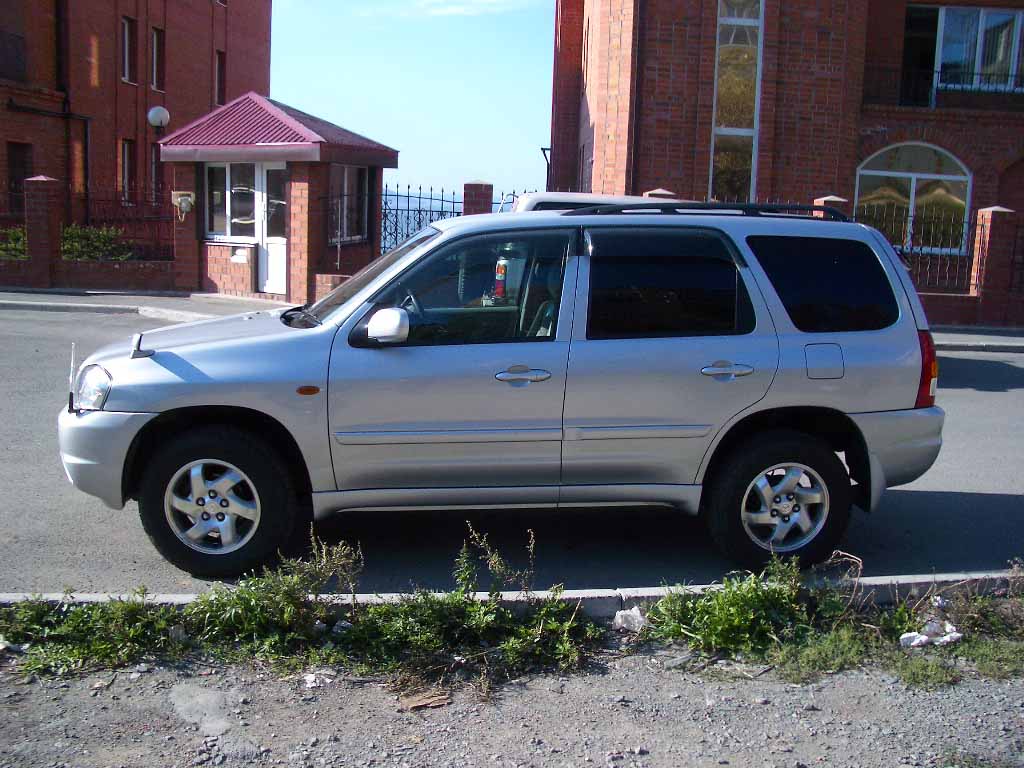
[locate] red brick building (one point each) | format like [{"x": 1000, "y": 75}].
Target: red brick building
[
  {"x": 880, "y": 102},
  {"x": 77, "y": 78}
]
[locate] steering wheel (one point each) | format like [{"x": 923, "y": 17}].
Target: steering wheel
[{"x": 412, "y": 301}]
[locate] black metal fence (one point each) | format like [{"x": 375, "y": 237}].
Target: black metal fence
[
  {"x": 937, "y": 244},
  {"x": 113, "y": 225},
  {"x": 1017, "y": 261},
  {"x": 950, "y": 88}
]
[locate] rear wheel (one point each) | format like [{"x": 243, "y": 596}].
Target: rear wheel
[
  {"x": 218, "y": 501},
  {"x": 783, "y": 492}
]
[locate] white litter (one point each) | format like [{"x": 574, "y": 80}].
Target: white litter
[
  {"x": 631, "y": 621},
  {"x": 934, "y": 632},
  {"x": 312, "y": 681}
]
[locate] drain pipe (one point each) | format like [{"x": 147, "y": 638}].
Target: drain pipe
[{"x": 65, "y": 115}]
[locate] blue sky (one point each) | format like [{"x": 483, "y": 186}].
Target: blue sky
[{"x": 462, "y": 88}]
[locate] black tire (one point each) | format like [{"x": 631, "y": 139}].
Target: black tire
[
  {"x": 283, "y": 516},
  {"x": 725, "y": 491}
]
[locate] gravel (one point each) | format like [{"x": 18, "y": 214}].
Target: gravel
[{"x": 631, "y": 711}]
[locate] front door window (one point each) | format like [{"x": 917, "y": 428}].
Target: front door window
[{"x": 485, "y": 290}]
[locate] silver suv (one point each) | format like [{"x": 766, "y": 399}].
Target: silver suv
[{"x": 757, "y": 366}]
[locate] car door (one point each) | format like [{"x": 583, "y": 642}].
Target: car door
[
  {"x": 671, "y": 338},
  {"x": 473, "y": 399}
]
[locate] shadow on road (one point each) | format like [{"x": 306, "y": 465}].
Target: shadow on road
[
  {"x": 979, "y": 375},
  {"x": 912, "y": 532}
]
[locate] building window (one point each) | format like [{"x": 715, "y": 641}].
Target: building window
[
  {"x": 737, "y": 101},
  {"x": 128, "y": 48},
  {"x": 349, "y": 188},
  {"x": 917, "y": 195},
  {"x": 156, "y": 172},
  {"x": 157, "y": 68},
  {"x": 967, "y": 48},
  {"x": 13, "y": 55},
  {"x": 231, "y": 200},
  {"x": 19, "y": 168},
  {"x": 220, "y": 78},
  {"x": 127, "y": 169}
]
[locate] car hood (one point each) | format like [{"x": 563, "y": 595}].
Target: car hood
[{"x": 218, "y": 330}]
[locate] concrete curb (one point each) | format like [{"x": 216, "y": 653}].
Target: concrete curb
[
  {"x": 980, "y": 346},
  {"x": 156, "y": 313},
  {"x": 603, "y": 603}
]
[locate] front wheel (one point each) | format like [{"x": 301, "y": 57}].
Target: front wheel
[
  {"x": 218, "y": 502},
  {"x": 784, "y": 492}
]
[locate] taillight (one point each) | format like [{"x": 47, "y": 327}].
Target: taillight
[{"x": 929, "y": 371}]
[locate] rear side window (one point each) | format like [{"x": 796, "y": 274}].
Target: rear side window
[
  {"x": 827, "y": 284},
  {"x": 659, "y": 282}
]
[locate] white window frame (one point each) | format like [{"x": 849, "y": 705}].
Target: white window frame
[
  {"x": 129, "y": 173},
  {"x": 155, "y": 49},
  {"x": 346, "y": 238},
  {"x": 976, "y": 84},
  {"x": 227, "y": 237},
  {"x": 913, "y": 176},
  {"x": 128, "y": 25},
  {"x": 752, "y": 133}
]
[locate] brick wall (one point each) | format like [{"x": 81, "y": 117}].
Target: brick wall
[
  {"x": 645, "y": 103},
  {"x": 222, "y": 274},
  {"x": 115, "y": 275},
  {"x": 565, "y": 97},
  {"x": 194, "y": 30},
  {"x": 324, "y": 283}
]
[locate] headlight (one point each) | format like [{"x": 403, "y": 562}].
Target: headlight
[{"x": 93, "y": 388}]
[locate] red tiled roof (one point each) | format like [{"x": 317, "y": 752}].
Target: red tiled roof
[{"x": 254, "y": 121}]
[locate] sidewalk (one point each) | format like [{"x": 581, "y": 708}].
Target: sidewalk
[
  {"x": 974, "y": 339},
  {"x": 182, "y": 307}
]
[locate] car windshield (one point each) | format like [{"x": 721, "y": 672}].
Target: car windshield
[{"x": 369, "y": 273}]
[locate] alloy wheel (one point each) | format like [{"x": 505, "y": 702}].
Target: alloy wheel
[
  {"x": 785, "y": 507},
  {"x": 212, "y": 506}
]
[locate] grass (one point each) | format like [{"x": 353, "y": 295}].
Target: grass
[{"x": 276, "y": 618}]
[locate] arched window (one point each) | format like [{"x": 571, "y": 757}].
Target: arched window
[{"x": 917, "y": 195}]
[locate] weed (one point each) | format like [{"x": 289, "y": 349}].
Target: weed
[
  {"x": 822, "y": 652},
  {"x": 919, "y": 671},
  {"x": 63, "y": 638},
  {"x": 748, "y": 615},
  {"x": 994, "y": 657}
]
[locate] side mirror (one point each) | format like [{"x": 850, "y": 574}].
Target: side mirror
[{"x": 388, "y": 326}]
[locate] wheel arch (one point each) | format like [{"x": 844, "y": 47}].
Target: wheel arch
[
  {"x": 835, "y": 427},
  {"x": 171, "y": 423}
]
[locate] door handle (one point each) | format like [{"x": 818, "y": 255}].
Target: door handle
[
  {"x": 521, "y": 374},
  {"x": 727, "y": 371}
]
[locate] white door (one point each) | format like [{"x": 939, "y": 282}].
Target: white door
[{"x": 272, "y": 243}]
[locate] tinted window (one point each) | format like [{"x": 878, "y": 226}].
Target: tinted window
[
  {"x": 487, "y": 289},
  {"x": 659, "y": 282},
  {"x": 827, "y": 284}
]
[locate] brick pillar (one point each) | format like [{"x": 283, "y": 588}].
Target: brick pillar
[
  {"x": 477, "y": 197},
  {"x": 994, "y": 242},
  {"x": 187, "y": 265},
  {"x": 44, "y": 215},
  {"x": 307, "y": 228},
  {"x": 833, "y": 201}
]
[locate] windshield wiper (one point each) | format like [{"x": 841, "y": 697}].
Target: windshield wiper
[{"x": 302, "y": 312}]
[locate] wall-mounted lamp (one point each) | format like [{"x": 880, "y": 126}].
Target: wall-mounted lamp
[{"x": 158, "y": 117}]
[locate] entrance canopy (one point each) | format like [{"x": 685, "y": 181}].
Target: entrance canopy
[{"x": 253, "y": 128}]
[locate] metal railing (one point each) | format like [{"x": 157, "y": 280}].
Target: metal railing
[
  {"x": 949, "y": 88},
  {"x": 404, "y": 213},
  {"x": 936, "y": 244},
  {"x": 139, "y": 224}
]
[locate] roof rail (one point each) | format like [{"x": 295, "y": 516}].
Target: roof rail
[{"x": 746, "y": 209}]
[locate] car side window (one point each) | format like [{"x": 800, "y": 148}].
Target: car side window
[
  {"x": 658, "y": 282},
  {"x": 484, "y": 289},
  {"x": 827, "y": 284}
]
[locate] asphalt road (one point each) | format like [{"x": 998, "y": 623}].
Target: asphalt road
[{"x": 967, "y": 513}]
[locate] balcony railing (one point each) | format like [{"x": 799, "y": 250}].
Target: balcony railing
[{"x": 948, "y": 89}]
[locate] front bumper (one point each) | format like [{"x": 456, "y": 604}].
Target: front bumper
[
  {"x": 93, "y": 448},
  {"x": 902, "y": 445}
]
